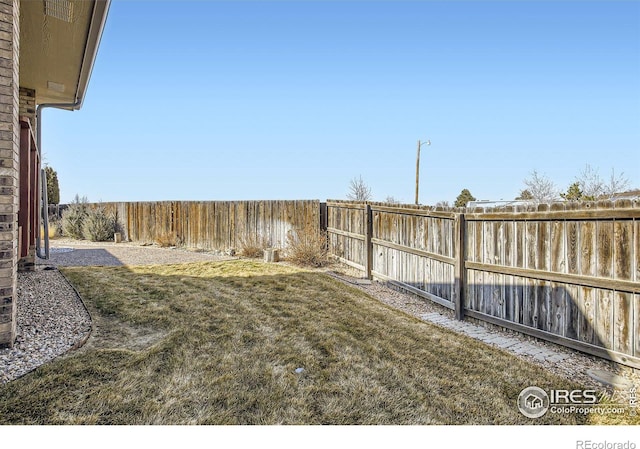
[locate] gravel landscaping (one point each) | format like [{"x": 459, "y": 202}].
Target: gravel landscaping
[
  {"x": 68, "y": 252},
  {"x": 51, "y": 320}
]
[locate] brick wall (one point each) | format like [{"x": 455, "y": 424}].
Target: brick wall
[
  {"x": 28, "y": 105},
  {"x": 9, "y": 166}
]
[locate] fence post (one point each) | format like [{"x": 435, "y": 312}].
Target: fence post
[
  {"x": 324, "y": 222},
  {"x": 324, "y": 218},
  {"x": 368, "y": 247},
  {"x": 460, "y": 271}
]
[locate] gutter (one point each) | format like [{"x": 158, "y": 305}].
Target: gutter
[{"x": 96, "y": 28}]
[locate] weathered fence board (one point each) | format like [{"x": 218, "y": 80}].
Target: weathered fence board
[
  {"x": 588, "y": 249},
  {"x": 346, "y": 232},
  {"x": 636, "y": 324},
  {"x": 623, "y": 244}
]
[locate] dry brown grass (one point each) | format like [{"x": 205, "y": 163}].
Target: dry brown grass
[{"x": 219, "y": 343}]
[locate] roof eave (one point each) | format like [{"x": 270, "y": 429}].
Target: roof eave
[{"x": 96, "y": 28}]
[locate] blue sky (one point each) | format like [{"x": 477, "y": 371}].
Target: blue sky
[{"x": 212, "y": 100}]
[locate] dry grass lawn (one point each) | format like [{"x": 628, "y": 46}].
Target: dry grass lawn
[{"x": 220, "y": 343}]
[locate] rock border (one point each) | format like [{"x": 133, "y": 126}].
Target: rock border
[{"x": 52, "y": 320}]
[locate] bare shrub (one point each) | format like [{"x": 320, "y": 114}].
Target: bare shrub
[
  {"x": 98, "y": 225},
  {"x": 307, "y": 247},
  {"x": 167, "y": 240},
  {"x": 253, "y": 246}
]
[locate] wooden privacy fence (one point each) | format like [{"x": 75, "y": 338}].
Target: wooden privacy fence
[
  {"x": 214, "y": 225},
  {"x": 566, "y": 273}
]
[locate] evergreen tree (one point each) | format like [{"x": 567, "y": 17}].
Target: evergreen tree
[
  {"x": 464, "y": 198},
  {"x": 525, "y": 195},
  {"x": 53, "y": 189},
  {"x": 574, "y": 193}
]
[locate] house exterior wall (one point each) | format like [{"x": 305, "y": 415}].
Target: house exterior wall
[{"x": 9, "y": 166}]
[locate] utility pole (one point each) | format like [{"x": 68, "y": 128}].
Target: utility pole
[{"x": 428, "y": 142}]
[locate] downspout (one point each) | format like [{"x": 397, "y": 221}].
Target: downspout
[
  {"x": 101, "y": 9},
  {"x": 43, "y": 208},
  {"x": 44, "y": 215}
]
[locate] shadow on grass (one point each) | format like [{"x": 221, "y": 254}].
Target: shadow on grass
[
  {"x": 250, "y": 343},
  {"x": 595, "y": 321},
  {"x": 74, "y": 257}
]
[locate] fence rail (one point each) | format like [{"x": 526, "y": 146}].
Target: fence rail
[{"x": 565, "y": 273}]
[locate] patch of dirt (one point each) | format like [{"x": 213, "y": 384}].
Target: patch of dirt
[{"x": 111, "y": 333}]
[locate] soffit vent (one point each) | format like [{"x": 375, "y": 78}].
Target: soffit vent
[
  {"x": 60, "y": 9},
  {"x": 58, "y": 87}
]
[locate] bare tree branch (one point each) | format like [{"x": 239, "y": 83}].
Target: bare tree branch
[
  {"x": 391, "y": 200},
  {"x": 616, "y": 184},
  {"x": 359, "y": 190},
  {"x": 541, "y": 188},
  {"x": 594, "y": 187},
  {"x": 590, "y": 183}
]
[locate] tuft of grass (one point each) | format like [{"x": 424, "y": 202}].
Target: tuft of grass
[
  {"x": 221, "y": 343},
  {"x": 253, "y": 246},
  {"x": 308, "y": 247},
  {"x": 167, "y": 240},
  {"x": 54, "y": 229}
]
